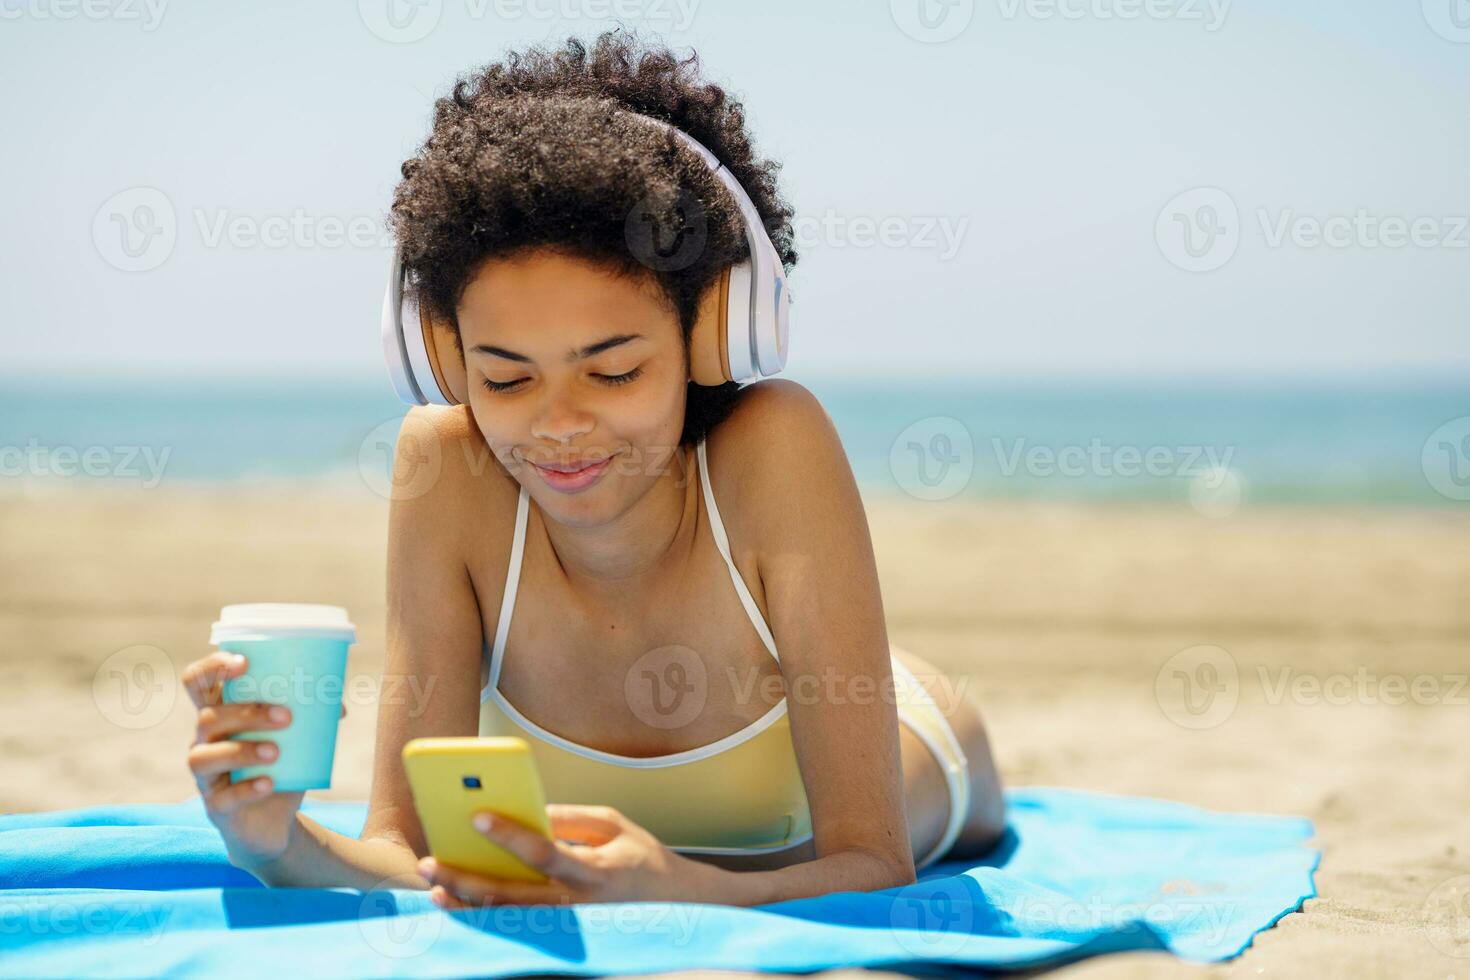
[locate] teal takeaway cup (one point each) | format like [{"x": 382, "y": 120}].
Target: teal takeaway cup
[{"x": 296, "y": 655}]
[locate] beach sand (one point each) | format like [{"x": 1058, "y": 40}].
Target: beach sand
[{"x": 1060, "y": 617}]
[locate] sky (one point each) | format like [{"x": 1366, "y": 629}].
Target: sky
[{"x": 1093, "y": 188}]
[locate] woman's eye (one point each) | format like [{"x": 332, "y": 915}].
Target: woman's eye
[
  {"x": 607, "y": 379},
  {"x": 621, "y": 379}
]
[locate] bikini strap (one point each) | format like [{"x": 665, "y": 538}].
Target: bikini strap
[
  {"x": 517, "y": 558},
  {"x": 512, "y": 584},
  {"x": 722, "y": 542}
]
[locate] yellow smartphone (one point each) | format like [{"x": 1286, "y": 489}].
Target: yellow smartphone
[{"x": 453, "y": 779}]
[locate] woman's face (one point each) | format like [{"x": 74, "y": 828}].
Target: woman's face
[{"x": 569, "y": 364}]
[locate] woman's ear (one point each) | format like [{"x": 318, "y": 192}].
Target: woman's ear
[{"x": 709, "y": 363}]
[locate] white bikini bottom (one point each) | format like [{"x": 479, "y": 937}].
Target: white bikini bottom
[{"x": 925, "y": 718}]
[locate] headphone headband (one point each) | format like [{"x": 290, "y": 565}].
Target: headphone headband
[{"x": 740, "y": 333}]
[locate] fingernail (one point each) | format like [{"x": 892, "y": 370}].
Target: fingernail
[
  {"x": 262, "y": 784},
  {"x": 267, "y": 751},
  {"x": 239, "y": 660},
  {"x": 483, "y": 823},
  {"x": 278, "y": 713}
]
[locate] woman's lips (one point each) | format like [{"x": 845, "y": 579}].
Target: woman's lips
[{"x": 572, "y": 482}]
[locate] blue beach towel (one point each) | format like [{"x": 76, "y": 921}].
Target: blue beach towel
[{"x": 146, "y": 890}]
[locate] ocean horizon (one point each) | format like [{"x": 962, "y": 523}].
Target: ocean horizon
[{"x": 1214, "y": 444}]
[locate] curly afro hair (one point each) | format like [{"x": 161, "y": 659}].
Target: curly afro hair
[{"x": 544, "y": 150}]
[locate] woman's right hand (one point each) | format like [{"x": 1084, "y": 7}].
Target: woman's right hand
[{"x": 256, "y": 824}]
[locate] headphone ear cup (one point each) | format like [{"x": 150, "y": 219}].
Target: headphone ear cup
[
  {"x": 442, "y": 346},
  {"x": 709, "y": 353}
]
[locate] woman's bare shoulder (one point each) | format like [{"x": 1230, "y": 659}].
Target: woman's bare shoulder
[
  {"x": 455, "y": 488},
  {"x": 777, "y": 447}
]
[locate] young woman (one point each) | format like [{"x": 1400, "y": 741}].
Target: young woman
[{"x": 666, "y": 587}]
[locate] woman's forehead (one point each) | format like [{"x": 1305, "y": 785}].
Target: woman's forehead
[{"x": 558, "y": 303}]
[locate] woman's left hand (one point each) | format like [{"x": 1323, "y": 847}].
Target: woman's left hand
[{"x": 610, "y": 859}]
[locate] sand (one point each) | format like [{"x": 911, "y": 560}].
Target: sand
[{"x": 1348, "y": 632}]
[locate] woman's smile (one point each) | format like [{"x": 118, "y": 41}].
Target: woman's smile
[{"x": 573, "y": 480}]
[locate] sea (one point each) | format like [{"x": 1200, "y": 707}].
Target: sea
[{"x": 1215, "y": 445}]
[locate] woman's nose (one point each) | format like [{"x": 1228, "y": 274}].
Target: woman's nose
[{"x": 561, "y": 419}]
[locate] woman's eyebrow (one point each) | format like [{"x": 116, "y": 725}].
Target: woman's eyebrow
[{"x": 572, "y": 355}]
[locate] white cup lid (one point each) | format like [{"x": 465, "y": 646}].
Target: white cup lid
[{"x": 282, "y": 619}]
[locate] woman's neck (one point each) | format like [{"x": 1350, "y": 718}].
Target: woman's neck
[{"x": 614, "y": 563}]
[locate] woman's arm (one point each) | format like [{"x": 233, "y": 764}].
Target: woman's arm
[
  {"x": 851, "y": 870},
  {"x": 798, "y": 504},
  {"x": 433, "y": 640}
]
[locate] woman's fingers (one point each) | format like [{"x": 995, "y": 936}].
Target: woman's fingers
[
  {"x": 209, "y": 759},
  {"x": 216, "y": 721},
  {"x": 228, "y": 797},
  {"x": 446, "y": 899},
  {"x": 545, "y": 855},
  {"x": 468, "y": 887},
  {"x": 581, "y": 824},
  {"x": 205, "y": 677}
]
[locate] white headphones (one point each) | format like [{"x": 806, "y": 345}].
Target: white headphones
[{"x": 740, "y": 330}]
